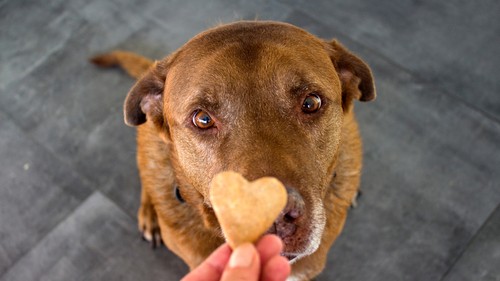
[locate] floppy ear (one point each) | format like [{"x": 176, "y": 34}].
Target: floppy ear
[
  {"x": 355, "y": 75},
  {"x": 145, "y": 99}
]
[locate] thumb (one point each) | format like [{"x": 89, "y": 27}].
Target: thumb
[{"x": 244, "y": 264}]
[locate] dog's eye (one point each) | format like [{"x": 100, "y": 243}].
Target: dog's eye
[
  {"x": 202, "y": 120},
  {"x": 311, "y": 104}
]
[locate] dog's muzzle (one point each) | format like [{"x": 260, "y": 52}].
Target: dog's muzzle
[{"x": 291, "y": 225}]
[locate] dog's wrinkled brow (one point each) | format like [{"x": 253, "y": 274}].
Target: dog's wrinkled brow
[
  {"x": 298, "y": 89},
  {"x": 205, "y": 100},
  {"x": 297, "y": 83}
]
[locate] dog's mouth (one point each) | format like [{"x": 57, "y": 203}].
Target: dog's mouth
[
  {"x": 300, "y": 227},
  {"x": 296, "y": 236},
  {"x": 294, "y": 247}
]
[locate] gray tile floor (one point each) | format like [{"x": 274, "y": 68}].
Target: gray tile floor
[{"x": 68, "y": 182}]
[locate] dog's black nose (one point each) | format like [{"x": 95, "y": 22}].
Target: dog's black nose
[{"x": 286, "y": 223}]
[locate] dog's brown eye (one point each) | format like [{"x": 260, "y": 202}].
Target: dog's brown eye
[
  {"x": 311, "y": 104},
  {"x": 202, "y": 120}
]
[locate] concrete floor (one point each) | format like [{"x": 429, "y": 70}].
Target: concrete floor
[{"x": 69, "y": 188}]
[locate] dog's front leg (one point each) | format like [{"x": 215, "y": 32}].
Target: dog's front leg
[{"x": 148, "y": 221}]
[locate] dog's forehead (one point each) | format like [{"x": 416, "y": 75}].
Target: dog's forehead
[
  {"x": 250, "y": 32},
  {"x": 247, "y": 43},
  {"x": 252, "y": 52},
  {"x": 239, "y": 64}
]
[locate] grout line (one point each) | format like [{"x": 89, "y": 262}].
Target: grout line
[
  {"x": 36, "y": 64},
  {"x": 87, "y": 182},
  {"x": 29, "y": 135},
  {"x": 63, "y": 220},
  {"x": 19, "y": 258},
  {"x": 469, "y": 243},
  {"x": 431, "y": 85}
]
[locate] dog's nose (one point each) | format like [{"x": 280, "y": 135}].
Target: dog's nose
[{"x": 286, "y": 223}]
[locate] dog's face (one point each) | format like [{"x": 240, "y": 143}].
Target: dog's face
[{"x": 261, "y": 99}]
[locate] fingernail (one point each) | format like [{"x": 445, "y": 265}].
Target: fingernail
[{"x": 242, "y": 256}]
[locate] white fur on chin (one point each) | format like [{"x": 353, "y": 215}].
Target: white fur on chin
[{"x": 318, "y": 222}]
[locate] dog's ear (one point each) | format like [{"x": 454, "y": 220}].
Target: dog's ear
[
  {"x": 145, "y": 99},
  {"x": 355, "y": 75}
]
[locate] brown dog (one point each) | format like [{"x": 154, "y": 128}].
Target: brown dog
[{"x": 259, "y": 98}]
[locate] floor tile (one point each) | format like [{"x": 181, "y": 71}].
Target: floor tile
[
  {"x": 173, "y": 16},
  {"x": 68, "y": 104},
  {"x": 481, "y": 259},
  {"x": 37, "y": 192},
  {"x": 23, "y": 47},
  {"x": 97, "y": 242},
  {"x": 108, "y": 159}
]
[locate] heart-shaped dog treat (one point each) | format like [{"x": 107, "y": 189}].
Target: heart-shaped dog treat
[{"x": 245, "y": 210}]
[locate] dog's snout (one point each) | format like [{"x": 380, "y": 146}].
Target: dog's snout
[{"x": 287, "y": 222}]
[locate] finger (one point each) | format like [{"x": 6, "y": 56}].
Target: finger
[
  {"x": 213, "y": 267},
  {"x": 269, "y": 246},
  {"x": 276, "y": 269},
  {"x": 244, "y": 264}
]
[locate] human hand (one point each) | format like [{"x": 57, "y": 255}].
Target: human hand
[{"x": 247, "y": 262}]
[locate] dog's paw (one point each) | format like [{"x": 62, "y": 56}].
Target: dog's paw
[
  {"x": 354, "y": 202},
  {"x": 148, "y": 225}
]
